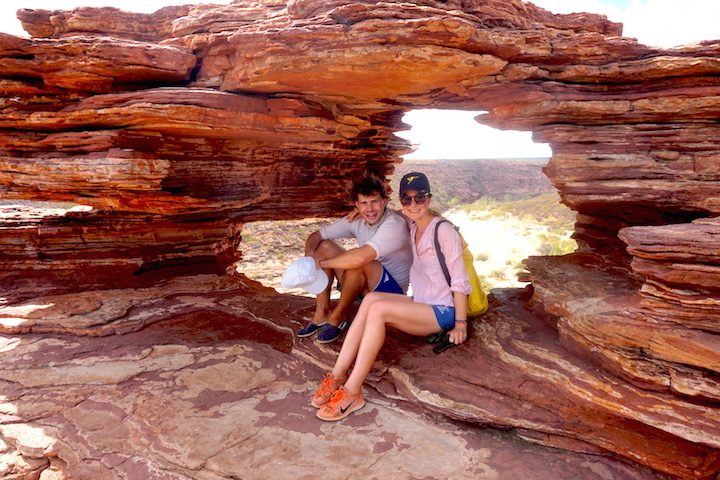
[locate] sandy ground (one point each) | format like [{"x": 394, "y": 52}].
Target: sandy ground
[{"x": 498, "y": 244}]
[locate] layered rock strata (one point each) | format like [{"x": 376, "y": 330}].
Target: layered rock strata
[
  {"x": 176, "y": 128},
  {"x": 202, "y": 378}
]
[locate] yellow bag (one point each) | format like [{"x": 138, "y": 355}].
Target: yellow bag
[{"x": 477, "y": 302}]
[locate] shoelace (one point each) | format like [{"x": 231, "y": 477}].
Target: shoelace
[
  {"x": 325, "y": 386},
  {"x": 337, "y": 396}
]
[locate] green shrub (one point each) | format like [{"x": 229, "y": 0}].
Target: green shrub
[
  {"x": 481, "y": 257},
  {"x": 498, "y": 274},
  {"x": 545, "y": 209},
  {"x": 556, "y": 245}
]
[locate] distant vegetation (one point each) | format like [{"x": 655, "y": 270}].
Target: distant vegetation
[
  {"x": 501, "y": 233},
  {"x": 460, "y": 182},
  {"x": 507, "y": 210},
  {"x": 544, "y": 209}
]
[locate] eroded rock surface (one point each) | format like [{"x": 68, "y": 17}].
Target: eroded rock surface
[
  {"x": 202, "y": 378},
  {"x": 176, "y": 128}
]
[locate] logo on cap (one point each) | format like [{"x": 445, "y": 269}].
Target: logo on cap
[{"x": 414, "y": 181}]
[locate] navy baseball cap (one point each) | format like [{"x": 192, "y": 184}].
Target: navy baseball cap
[{"x": 414, "y": 181}]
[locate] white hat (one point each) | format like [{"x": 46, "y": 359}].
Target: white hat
[{"x": 303, "y": 273}]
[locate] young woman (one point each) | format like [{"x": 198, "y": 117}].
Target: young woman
[{"x": 434, "y": 306}]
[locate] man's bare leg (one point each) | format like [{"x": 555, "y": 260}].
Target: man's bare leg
[
  {"x": 326, "y": 249},
  {"x": 322, "y": 304},
  {"x": 354, "y": 282}
]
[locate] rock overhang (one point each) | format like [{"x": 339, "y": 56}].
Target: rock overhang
[{"x": 181, "y": 125}]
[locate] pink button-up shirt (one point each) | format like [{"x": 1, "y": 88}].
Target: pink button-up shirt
[{"x": 426, "y": 276}]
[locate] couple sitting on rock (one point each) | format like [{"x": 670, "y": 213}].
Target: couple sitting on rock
[{"x": 387, "y": 258}]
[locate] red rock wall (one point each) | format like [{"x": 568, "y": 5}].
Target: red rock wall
[{"x": 179, "y": 126}]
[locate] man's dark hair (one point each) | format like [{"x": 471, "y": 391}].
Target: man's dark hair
[{"x": 368, "y": 185}]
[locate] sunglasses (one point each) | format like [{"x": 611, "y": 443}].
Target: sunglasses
[{"x": 419, "y": 198}]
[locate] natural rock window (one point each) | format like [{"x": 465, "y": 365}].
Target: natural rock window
[{"x": 181, "y": 127}]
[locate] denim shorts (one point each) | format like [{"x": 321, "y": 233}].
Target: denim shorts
[
  {"x": 445, "y": 316},
  {"x": 388, "y": 284}
]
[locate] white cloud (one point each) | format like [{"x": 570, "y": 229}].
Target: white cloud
[
  {"x": 661, "y": 23},
  {"x": 669, "y": 23}
]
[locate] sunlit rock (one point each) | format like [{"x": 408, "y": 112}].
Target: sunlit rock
[{"x": 129, "y": 350}]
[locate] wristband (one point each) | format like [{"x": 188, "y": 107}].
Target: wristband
[{"x": 460, "y": 321}]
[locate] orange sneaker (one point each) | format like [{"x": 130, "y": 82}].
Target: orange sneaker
[
  {"x": 326, "y": 389},
  {"x": 341, "y": 404}
]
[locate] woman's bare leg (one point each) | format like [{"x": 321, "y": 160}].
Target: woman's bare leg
[
  {"x": 407, "y": 316},
  {"x": 350, "y": 345}
]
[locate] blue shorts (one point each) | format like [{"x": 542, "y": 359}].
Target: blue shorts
[
  {"x": 445, "y": 316},
  {"x": 388, "y": 284}
]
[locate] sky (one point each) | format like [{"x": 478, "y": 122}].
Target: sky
[{"x": 453, "y": 134}]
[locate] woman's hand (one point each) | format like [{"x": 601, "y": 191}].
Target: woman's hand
[
  {"x": 354, "y": 214},
  {"x": 458, "y": 334}
]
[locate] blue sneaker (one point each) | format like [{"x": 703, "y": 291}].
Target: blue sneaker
[
  {"x": 309, "y": 330},
  {"x": 330, "y": 333}
]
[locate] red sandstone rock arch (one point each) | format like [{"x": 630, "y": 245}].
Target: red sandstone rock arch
[{"x": 180, "y": 126}]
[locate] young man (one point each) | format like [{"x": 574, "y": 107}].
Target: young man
[{"x": 380, "y": 263}]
